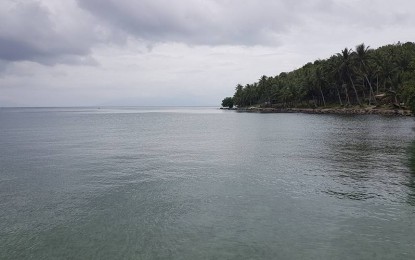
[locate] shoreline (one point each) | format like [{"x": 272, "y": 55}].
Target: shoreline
[{"x": 337, "y": 111}]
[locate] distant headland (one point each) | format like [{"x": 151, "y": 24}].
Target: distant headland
[
  {"x": 333, "y": 110},
  {"x": 353, "y": 81}
]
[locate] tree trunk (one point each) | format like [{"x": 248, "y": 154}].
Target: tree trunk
[
  {"x": 340, "y": 98},
  {"x": 347, "y": 94},
  {"x": 371, "y": 89},
  {"x": 377, "y": 85},
  {"x": 355, "y": 91},
  {"x": 322, "y": 96},
  {"x": 363, "y": 90}
]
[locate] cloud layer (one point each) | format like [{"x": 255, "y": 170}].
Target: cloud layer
[
  {"x": 31, "y": 31},
  {"x": 46, "y": 32},
  {"x": 97, "y": 51},
  {"x": 197, "y": 21}
]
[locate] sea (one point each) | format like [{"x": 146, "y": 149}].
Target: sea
[{"x": 204, "y": 183}]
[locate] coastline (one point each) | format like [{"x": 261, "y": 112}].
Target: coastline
[{"x": 339, "y": 111}]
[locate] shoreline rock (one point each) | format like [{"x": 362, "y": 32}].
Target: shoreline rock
[{"x": 339, "y": 111}]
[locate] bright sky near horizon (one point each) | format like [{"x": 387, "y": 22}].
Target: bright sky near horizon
[{"x": 175, "y": 52}]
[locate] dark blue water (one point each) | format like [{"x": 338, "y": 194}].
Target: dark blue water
[{"x": 201, "y": 183}]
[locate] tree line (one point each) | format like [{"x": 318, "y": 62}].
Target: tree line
[{"x": 360, "y": 76}]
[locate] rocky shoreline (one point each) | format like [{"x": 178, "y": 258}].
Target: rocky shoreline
[{"x": 340, "y": 111}]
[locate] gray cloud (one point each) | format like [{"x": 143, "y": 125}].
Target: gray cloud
[
  {"x": 203, "y": 22},
  {"x": 29, "y": 31},
  {"x": 180, "y": 50},
  {"x": 232, "y": 22},
  {"x": 32, "y": 31}
]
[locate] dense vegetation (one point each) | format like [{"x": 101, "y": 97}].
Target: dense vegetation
[
  {"x": 363, "y": 76},
  {"x": 227, "y": 102}
]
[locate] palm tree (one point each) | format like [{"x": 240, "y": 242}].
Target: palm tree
[
  {"x": 238, "y": 96},
  {"x": 362, "y": 53},
  {"x": 263, "y": 89},
  {"x": 330, "y": 71},
  {"x": 389, "y": 69},
  {"x": 319, "y": 81},
  {"x": 345, "y": 69}
]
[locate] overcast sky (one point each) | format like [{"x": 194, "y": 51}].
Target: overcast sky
[{"x": 175, "y": 52}]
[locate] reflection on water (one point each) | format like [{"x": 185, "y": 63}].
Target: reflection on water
[
  {"x": 411, "y": 178},
  {"x": 366, "y": 159},
  {"x": 352, "y": 195}
]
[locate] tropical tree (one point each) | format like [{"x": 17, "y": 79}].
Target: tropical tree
[
  {"x": 319, "y": 81},
  {"x": 362, "y": 54},
  {"x": 227, "y": 102},
  {"x": 345, "y": 71},
  {"x": 346, "y": 78}
]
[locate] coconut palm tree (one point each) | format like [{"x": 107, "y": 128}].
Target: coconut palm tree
[
  {"x": 319, "y": 81},
  {"x": 346, "y": 68},
  {"x": 362, "y": 54}
]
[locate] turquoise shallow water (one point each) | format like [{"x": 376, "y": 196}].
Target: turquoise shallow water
[{"x": 201, "y": 183}]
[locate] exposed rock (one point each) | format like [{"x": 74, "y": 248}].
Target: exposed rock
[{"x": 341, "y": 111}]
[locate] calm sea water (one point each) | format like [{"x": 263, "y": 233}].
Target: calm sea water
[{"x": 201, "y": 183}]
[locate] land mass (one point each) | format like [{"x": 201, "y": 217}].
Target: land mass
[
  {"x": 359, "y": 81},
  {"x": 332, "y": 110}
]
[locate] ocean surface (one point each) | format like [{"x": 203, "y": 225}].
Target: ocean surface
[{"x": 202, "y": 183}]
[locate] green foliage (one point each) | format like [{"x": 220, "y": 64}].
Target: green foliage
[
  {"x": 350, "y": 77},
  {"x": 408, "y": 94},
  {"x": 227, "y": 102}
]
